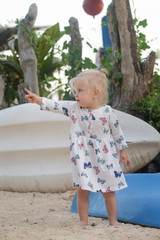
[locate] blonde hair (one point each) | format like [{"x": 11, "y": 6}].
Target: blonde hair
[{"x": 95, "y": 79}]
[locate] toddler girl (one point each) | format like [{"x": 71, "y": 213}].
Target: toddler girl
[{"x": 94, "y": 140}]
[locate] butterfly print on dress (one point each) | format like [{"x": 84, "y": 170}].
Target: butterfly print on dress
[
  {"x": 74, "y": 119},
  {"x": 117, "y": 174},
  {"x": 65, "y": 110},
  {"x": 105, "y": 149},
  {"x": 104, "y": 120},
  {"x": 87, "y": 165}
]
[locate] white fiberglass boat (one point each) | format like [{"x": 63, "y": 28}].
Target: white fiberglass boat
[{"x": 34, "y": 148}]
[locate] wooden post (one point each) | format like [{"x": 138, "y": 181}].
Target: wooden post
[
  {"x": 75, "y": 47},
  {"x": 28, "y": 60}
]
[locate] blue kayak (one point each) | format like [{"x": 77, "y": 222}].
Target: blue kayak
[
  {"x": 105, "y": 35},
  {"x": 138, "y": 204}
]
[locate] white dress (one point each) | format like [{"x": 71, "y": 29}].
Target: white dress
[{"x": 95, "y": 138}]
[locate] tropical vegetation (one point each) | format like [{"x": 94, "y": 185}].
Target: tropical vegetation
[{"x": 51, "y": 58}]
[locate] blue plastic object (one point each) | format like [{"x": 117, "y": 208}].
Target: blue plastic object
[
  {"x": 105, "y": 35},
  {"x": 139, "y": 203}
]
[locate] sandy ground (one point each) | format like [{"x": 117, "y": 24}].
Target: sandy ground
[{"x": 38, "y": 216}]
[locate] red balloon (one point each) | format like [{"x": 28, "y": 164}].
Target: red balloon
[{"x": 93, "y": 7}]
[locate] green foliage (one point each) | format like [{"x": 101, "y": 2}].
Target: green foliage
[
  {"x": 142, "y": 42},
  {"x": 13, "y": 74},
  {"x": 108, "y": 62},
  {"x": 46, "y": 49},
  {"x": 149, "y": 106},
  {"x": 74, "y": 61},
  {"x": 74, "y": 64},
  {"x": 50, "y": 59}
]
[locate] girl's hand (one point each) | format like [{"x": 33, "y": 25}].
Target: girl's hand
[
  {"x": 124, "y": 158},
  {"x": 32, "y": 98}
]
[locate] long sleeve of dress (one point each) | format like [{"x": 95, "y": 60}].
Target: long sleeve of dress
[
  {"x": 116, "y": 131},
  {"x": 62, "y": 107}
]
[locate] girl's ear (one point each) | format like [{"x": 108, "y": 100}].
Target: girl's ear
[{"x": 97, "y": 92}]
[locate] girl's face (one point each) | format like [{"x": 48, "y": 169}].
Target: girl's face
[{"x": 85, "y": 95}]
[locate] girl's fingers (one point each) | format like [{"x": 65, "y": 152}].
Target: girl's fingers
[
  {"x": 125, "y": 161},
  {"x": 26, "y": 90},
  {"x": 29, "y": 99}
]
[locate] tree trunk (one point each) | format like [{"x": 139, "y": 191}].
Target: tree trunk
[
  {"x": 2, "y": 88},
  {"x": 28, "y": 60},
  {"x": 75, "y": 47},
  {"x": 137, "y": 76},
  {"x": 21, "y": 92}
]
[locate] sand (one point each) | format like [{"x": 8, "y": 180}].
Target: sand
[{"x": 38, "y": 216}]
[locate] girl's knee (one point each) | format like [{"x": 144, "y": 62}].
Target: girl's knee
[
  {"x": 82, "y": 192},
  {"x": 109, "y": 195}
]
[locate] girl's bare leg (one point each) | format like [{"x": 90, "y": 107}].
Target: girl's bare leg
[
  {"x": 111, "y": 206},
  {"x": 82, "y": 205}
]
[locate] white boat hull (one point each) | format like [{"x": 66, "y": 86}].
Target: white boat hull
[{"x": 34, "y": 148}]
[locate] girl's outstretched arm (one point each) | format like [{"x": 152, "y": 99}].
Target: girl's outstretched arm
[{"x": 32, "y": 98}]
